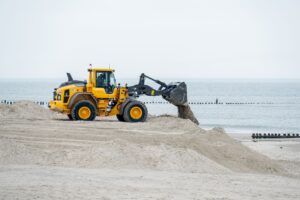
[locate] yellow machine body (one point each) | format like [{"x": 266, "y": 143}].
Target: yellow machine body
[{"x": 66, "y": 97}]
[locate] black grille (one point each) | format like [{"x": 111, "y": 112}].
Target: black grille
[
  {"x": 54, "y": 94},
  {"x": 66, "y": 96}
]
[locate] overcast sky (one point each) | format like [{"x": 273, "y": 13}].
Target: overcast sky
[{"x": 163, "y": 38}]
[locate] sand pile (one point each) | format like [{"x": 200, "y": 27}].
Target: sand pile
[
  {"x": 166, "y": 156},
  {"x": 117, "y": 154},
  {"x": 25, "y": 110},
  {"x": 161, "y": 143}
]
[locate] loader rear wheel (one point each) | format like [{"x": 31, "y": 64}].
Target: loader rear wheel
[
  {"x": 120, "y": 118},
  {"x": 84, "y": 110},
  {"x": 135, "y": 111}
]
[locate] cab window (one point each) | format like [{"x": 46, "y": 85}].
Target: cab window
[{"x": 105, "y": 80}]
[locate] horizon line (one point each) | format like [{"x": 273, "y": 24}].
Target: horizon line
[{"x": 188, "y": 78}]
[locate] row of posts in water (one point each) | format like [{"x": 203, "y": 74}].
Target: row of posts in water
[
  {"x": 165, "y": 102},
  {"x": 211, "y": 103},
  {"x": 274, "y": 135},
  {"x": 42, "y": 103}
]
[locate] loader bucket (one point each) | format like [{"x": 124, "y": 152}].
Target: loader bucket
[{"x": 176, "y": 94}]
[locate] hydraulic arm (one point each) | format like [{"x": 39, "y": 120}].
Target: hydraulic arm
[{"x": 175, "y": 93}]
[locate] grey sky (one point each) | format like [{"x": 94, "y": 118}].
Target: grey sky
[{"x": 164, "y": 38}]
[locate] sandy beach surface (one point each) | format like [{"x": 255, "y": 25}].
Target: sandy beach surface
[{"x": 45, "y": 156}]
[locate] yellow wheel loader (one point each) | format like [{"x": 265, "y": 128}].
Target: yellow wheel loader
[{"x": 101, "y": 96}]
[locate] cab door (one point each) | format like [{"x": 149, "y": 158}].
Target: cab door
[{"x": 105, "y": 85}]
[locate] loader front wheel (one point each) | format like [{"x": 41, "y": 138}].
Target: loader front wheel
[
  {"x": 135, "y": 111},
  {"x": 84, "y": 110}
]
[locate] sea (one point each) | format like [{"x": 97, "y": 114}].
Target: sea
[{"x": 244, "y": 106}]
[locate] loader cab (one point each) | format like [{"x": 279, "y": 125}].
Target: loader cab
[{"x": 104, "y": 82}]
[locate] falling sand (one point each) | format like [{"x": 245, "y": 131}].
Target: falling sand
[{"x": 185, "y": 112}]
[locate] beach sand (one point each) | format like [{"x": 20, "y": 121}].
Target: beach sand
[{"x": 45, "y": 156}]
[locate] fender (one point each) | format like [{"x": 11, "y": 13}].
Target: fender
[{"x": 83, "y": 95}]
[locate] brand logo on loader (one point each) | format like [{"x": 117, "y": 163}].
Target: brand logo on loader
[{"x": 153, "y": 92}]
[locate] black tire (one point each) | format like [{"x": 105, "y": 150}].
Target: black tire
[
  {"x": 88, "y": 105},
  {"x": 70, "y": 117},
  {"x": 127, "y": 116},
  {"x": 120, "y": 118}
]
